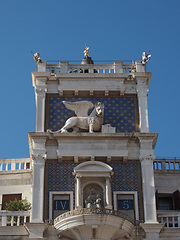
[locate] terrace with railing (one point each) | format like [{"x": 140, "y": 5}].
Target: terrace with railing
[
  {"x": 170, "y": 219},
  {"x": 116, "y": 67},
  {"x": 14, "y": 218},
  {"x": 15, "y": 164},
  {"x": 165, "y": 165},
  {"x": 18, "y": 218}
]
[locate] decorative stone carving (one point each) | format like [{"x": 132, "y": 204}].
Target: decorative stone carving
[
  {"x": 93, "y": 122},
  {"x": 107, "y": 128},
  {"x": 93, "y": 196},
  {"x": 145, "y": 57}
]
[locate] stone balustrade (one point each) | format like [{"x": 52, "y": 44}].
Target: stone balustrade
[
  {"x": 15, "y": 164},
  {"x": 116, "y": 67},
  {"x": 167, "y": 165},
  {"x": 85, "y": 211},
  {"x": 14, "y": 218},
  {"x": 170, "y": 220}
]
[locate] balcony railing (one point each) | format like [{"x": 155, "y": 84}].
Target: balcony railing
[
  {"x": 14, "y": 218},
  {"x": 101, "y": 211},
  {"x": 167, "y": 165},
  {"x": 170, "y": 220},
  {"x": 66, "y": 67},
  {"x": 15, "y": 164}
]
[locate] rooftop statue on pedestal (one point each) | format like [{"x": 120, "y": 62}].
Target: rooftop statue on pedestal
[
  {"x": 145, "y": 57},
  {"x": 87, "y": 59},
  {"x": 37, "y": 57},
  {"x": 93, "y": 122}
]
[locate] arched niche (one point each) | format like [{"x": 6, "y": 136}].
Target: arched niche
[{"x": 93, "y": 173}]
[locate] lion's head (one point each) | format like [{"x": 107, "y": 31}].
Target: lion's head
[{"x": 99, "y": 109}]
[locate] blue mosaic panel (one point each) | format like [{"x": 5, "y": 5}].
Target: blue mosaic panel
[
  {"x": 126, "y": 177},
  {"x": 119, "y": 111},
  {"x": 60, "y": 176}
]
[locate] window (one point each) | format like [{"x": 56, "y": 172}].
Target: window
[
  {"x": 165, "y": 203},
  {"x": 168, "y": 201},
  {"x": 6, "y": 198},
  {"x": 60, "y": 202},
  {"x": 127, "y": 202}
]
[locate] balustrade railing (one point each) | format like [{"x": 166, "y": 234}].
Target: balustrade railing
[
  {"x": 65, "y": 67},
  {"x": 167, "y": 165},
  {"x": 170, "y": 220},
  {"x": 15, "y": 164},
  {"x": 101, "y": 211},
  {"x": 14, "y": 218}
]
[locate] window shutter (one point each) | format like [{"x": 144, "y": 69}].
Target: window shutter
[
  {"x": 6, "y": 198},
  {"x": 176, "y": 198},
  {"x": 157, "y": 204}
]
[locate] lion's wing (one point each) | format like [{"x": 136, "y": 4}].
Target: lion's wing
[{"x": 80, "y": 108}]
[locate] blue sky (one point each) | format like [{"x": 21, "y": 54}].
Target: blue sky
[{"x": 113, "y": 29}]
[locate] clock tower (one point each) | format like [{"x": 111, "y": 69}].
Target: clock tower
[{"x": 92, "y": 151}]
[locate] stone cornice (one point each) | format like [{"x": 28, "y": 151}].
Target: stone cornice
[
  {"x": 93, "y": 76},
  {"x": 122, "y": 136}
]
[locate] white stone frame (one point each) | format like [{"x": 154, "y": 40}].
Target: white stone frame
[
  {"x": 70, "y": 193},
  {"x": 127, "y": 193},
  {"x": 94, "y": 170}
]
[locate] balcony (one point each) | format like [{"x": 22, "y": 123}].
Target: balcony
[
  {"x": 167, "y": 165},
  {"x": 15, "y": 164},
  {"x": 171, "y": 219},
  {"x": 14, "y": 218},
  {"x": 94, "y": 223},
  {"x": 116, "y": 67}
]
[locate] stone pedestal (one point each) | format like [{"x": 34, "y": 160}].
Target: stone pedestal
[
  {"x": 36, "y": 230},
  {"x": 152, "y": 230}
]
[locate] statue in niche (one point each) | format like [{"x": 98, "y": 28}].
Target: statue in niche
[
  {"x": 83, "y": 122},
  {"x": 93, "y": 197}
]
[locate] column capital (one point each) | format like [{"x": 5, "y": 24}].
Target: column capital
[
  {"x": 41, "y": 90},
  {"x": 148, "y": 159},
  {"x": 38, "y": 159},
  {"x": 77, "y": 177},
  {"x": 146, "y": 154}
]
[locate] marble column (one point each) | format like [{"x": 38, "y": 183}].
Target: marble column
[
  {"x": 108, "y": 193},
  {"x": 40, "y": 92},
  {"x": 143, "y": 108},
  {"x": 148, "y": 190},
  {"x": 78, "y": 192},
  {"x": 38, "y": 189}
]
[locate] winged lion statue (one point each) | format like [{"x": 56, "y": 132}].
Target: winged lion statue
[{"x": 83, "y": 121}]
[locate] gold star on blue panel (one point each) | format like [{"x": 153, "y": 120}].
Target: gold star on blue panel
[{"x": 119, "y": 111}]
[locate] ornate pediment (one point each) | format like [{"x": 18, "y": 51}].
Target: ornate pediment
[{"x": 94, "y": 168}]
